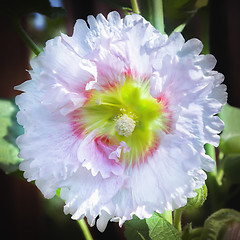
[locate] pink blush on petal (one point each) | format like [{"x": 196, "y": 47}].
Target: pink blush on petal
[
  {"x": 94, "y": 153},
  {"x": 76, "y": 125},
  {"x": 167, "y": 113}
]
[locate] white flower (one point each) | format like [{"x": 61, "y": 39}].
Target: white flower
[{"x": 117, "y": 116}]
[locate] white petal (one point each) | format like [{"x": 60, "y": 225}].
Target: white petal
[
  {"x": 114, "y": 18},
  {"x": 206, "y": 62},
  {"x": 79, "y": 42},
  {"x": 102, "y": 222},
  {"x": 191, "y": 47}
]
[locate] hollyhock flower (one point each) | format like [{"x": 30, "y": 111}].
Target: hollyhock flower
[{"x": 117, "y": 116}]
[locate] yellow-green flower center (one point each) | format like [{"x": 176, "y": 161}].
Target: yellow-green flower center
[{"x": 125, "y": 113}]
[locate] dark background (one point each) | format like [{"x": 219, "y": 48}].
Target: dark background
[{"x": 24, "y": 212}]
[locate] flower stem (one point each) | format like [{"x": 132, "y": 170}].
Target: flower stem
[
  {"x": 205, "y": 32},
  {"x": 177, "y": 219},
  {"x": 26, "y": 37},
  {"x": 212, "y": 180},
  {"x": 158, "y": 17},
  {"x": 220, "y": 175},
  {"x": 135, "y": 7},
  {"x": 85, "y": 229},
  {"x": 210, "y": 150}
]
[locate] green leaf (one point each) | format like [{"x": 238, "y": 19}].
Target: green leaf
[
  {"x": 180, "y": 27},
  {"x": 136, "y": 229},
  {"x": 8, "y": 156},
  {"x": 16, "y": 8},
  {"x": 179, "y": 13},
  {"x": 182, "y": 9},
  {"x": 161, "y": 229},
  {"x": 230, "y": 137},
  {"x": 198, "y": 200},
  {"x": 231, "y": 168},
  {"x": 9, "y": 130},
  {"x": 153, "y": 228},
  {"x": 215, "y": 225}
]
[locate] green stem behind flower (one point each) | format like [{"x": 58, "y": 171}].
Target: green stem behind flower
[
  {"x": 81, "y": 222},
  {"x": 85, "y": 229},
  {"x": 210, "y": 151},
  {"x": 177, "y": 219},
  {"x": 211, "y": 180},
  {"x": 25, "y": 37},
  {"x": 213, "y": 186},
  {"x": 158, "y": 17},
  {"x": 135, "y": 7},
  {"x": 205, "y": 31}
]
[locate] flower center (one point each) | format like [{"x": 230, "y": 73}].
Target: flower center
[
  {"x": 125, "y": 125},
  {"x": 125, "y": 113}
]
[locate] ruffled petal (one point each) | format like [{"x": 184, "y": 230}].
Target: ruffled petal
[
  {"x": 90, "y": 198},
  {"x": 80, "y": 42},
  {"x": 96, "y": 154},
  {"x": 191, "y": 48}
]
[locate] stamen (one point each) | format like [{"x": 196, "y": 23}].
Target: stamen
[
  {"x": 125, "y": 125},
  {"x": 99, "y": 102}
]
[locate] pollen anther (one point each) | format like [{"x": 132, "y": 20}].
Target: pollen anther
[{"x": 125, "y": 125}]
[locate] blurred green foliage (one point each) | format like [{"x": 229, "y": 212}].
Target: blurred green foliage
[
  {"x": 230, "y": 137},
  {"x": 9, "y": 130},
  {"x": 16, "y": 8}
]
